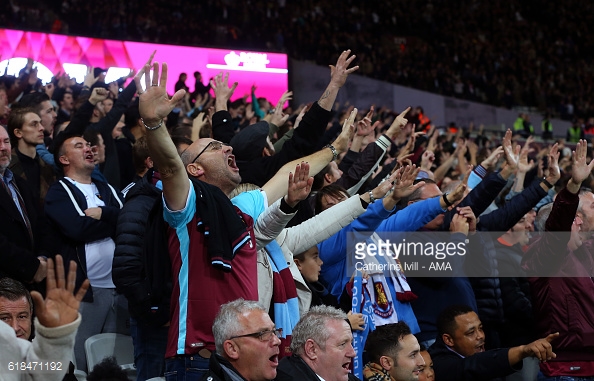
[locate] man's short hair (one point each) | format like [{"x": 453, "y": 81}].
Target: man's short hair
[
  {"x": 416, "y": 195},
  {"x": 332, "y": 190},
  {"x": 542, "y": 216},
  {"x": 446, "y": 321},
  {"x": 14, "y": 290},
  {"x": 312, "y": 325},
  {"x": 16, "y": 120},
  {"x": 226, "y": 324},
  {"x": 33, "y": 100},
  {"x": 140, "y": 152},
  {"x": 59, "y": 146},
  {"x": 385, "y": 340}
]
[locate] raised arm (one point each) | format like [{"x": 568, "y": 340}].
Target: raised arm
[
  {"x": 154, "y": 106},
  {"x": 338, "y": 77},
  {"x": 276, "y": 187}
]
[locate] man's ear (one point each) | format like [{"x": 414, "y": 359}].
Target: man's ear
[
  {"x": 447, "y": 339},
  {"x": 311, "y": 349},
  {"x": 298, "y": 263},
  {"x": 386, "y": 362},
  {"x": 64, "y": 160},
  {"x": 18, "y": 133},
  {"x": 328, "y": 178},
  {"x": 195, "y": 170},
  {"x": 266, "y": 152},
  {"x": 231, "y": 349}
]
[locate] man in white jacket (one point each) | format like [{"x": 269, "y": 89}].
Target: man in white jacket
[{"x": 56, "y": 322}]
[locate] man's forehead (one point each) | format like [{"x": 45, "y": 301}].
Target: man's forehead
[
  {"x": 75, "y": 140},
  {"x": 468, "y": 318},
  {"x": 6, "y": 304},
  {"x": 3, "y": 133},
  {"x": 31, "y": 117}
]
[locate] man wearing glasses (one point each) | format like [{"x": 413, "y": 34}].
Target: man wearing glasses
[
  {"x": 247, "y": 343},
  {"x": 213, "y": 258}
]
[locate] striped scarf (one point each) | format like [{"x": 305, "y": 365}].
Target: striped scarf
[{"x": 285, "y": 309}]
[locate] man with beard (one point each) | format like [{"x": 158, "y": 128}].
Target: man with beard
[
  {"x": 459, "y": 351},
  {"x": 395, "y": 354}
]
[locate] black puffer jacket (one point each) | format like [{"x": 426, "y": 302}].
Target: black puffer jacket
[{"x": 129, "y": 265}]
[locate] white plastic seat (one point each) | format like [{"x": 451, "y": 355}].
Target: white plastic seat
[{"x": 104, "y": 345}]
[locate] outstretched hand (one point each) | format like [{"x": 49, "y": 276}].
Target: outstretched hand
[
  {"x": 580, "y": 170},
  {"x": 512, "y": 156},
  {"x": 220, "y": 85},
  {"x": 299, "y": 185},
  {"x": 340, "y": 72},
  {"x": 154, "y": 103},
  {"x": 541, "y": 348},
  {"x": 398, "y": 124},
  {"x": 404, "y": 184},
  {"x": 60, "y": 306},
  {"x": 348, "y": 129}
]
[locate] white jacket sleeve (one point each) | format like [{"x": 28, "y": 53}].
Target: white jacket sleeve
[
  {"x": 309, "y": 233},
  {"x": 50, "y": 350},
  {"x": 270, "y": 224}
]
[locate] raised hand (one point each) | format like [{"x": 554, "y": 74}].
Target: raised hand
[
  {"x": 340, "y": 72},
  {"x": 90, "y": 78},
  {"x": 348, "y": 129},
  {"x": 523, "y": 164},
  {"x": 580, "y": 170},
  {"x": 364, "y": 126},
  {"x": 512, "y": 157},
  {"x": 398, "y": 124},
  {"x": 99, "y": 94},
  {"x": 300, "y": 116},
  {"x": 154, "y": 103},
  {"x": 278, "y": 118},
  {"x": 60, "y": 306},
  {"x": 299, "y": 185},
  {"x": 427, "y": 160},
  {"x": 490, "y": 161},
  {"x": 220, "y": 85},
  {"x": 553, "y": 158},
  {"x": 404, "y": 183}
]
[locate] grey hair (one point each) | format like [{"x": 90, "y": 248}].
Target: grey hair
[
  {"x": 543, "y": 215},
  {"x": 187, "y": 156},
  {"x": 312, "y": 325},
  {"x": 226, "y": 322}
]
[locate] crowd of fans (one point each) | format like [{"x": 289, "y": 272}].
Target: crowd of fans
[
  {"x": 531, "y": 54},
  {"x": 98, "y": 172}
]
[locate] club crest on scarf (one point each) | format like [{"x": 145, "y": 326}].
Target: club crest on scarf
[{"x": 381, "y": 305}]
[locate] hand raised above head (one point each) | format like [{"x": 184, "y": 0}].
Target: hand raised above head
[
  {"x": 341, "y": 71},
  {"x": 154, "y": 103},
  {"x": 60, "y": 306}
]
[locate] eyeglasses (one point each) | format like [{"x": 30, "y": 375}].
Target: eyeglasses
[
  {"x": 263, "y": 335},
  {"x": 212, "y": 146}
]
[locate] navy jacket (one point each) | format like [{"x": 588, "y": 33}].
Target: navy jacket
[{"x": 64, "y": 207}]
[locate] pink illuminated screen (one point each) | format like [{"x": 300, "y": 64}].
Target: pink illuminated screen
[{"x": 67, "y": 53}]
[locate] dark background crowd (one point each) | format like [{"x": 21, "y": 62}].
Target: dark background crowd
[{"x": 519, "y": 53}]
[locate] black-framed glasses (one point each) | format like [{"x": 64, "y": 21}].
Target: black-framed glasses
[
  {"x": 263, "y": 335},
  {"x": 212, "y": 146}
]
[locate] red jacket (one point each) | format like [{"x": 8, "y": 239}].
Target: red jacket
[{"x": 564, "y": 301}]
